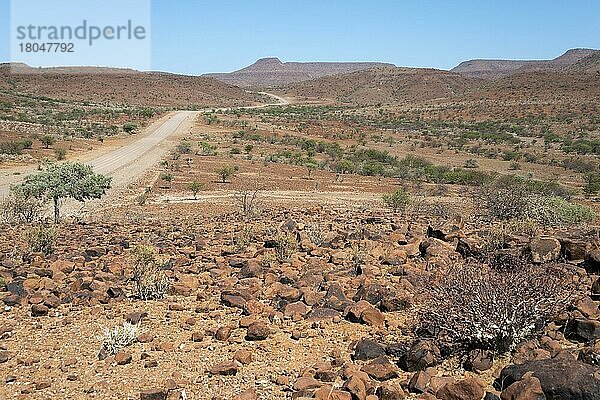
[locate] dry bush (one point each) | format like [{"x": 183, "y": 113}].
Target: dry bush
[
  {"x": 18, "y": 209},
  {"x": 119, "y": 337},
  {"x": 241, "y": 239},
  {"x": 150, "y": 279},
  {"x": 498, "y": 234},
  {"x": 315, "y": 233},
  {"x": 285, "y": 246},
  {"x": 248, "y": 201},
  {"x": 41, "y": 239},
  {"x": 477, "y": 306}
]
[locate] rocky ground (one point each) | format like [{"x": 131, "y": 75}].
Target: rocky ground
[{"x": 320, "y": 302}]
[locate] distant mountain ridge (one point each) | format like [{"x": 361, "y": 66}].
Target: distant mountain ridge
[
  {"x": 268, "y": 72},
  {"x": 492, "y": 69}
]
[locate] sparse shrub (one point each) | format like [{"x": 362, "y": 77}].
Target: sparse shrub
[
  {"x": 242, "y": 238},
  {"x": 151, "y": 282},
  {"x": 19, "y": 209},
  {"x": 129, "y": 127},
  {"x": 592, "y": 183},
  {"x": 142, "y": 198},
  {"x": 184, "y": 147},
  {"x": 315, "y": 233},
  {"x": 41, "y": 239},
  {"x": 118, "y": 337},
  {"x": 60, "y": 153},
  {"x": 397, "y": 200},
  {"x": 285, "y": 246},
  {"x": 248, "y": 201},
  {"x": 227, "y": 171},
  {"x": 195, "y": 187},
  {"x": 498, "y": 234},
  {"x": 235, "y": 151},
  {"x": 471, "y": 163},
  {"x": 556, "y": 211},
  {"x": 166, "y": 177},
  {"x": 47, "y": 141},
  {"x": 207, "y": 149},
  {"x": 476, "y": 306}
]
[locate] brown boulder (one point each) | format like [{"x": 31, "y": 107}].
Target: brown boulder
[
  {"x": 528, "y": 388},
  {"x": 467, "y": 389}
]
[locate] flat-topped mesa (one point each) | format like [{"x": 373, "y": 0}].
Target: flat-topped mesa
[
  {"x": 482, "y": 68},
  {"x": 271, "y": 71}
]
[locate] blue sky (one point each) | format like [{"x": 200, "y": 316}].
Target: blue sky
[{"x": 195, "y": 37}]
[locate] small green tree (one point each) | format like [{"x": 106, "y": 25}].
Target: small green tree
[
  {"x": 129, "y": 127},
  {"x": 227, "y": 171},
  {"x": 195, "y": 187},
  {"x": 47, "y": 141},
  {"x": 397, "y": 200},
  {"x": 68, "y": 180},
  {"x": 167, "y": 177},
  {"x": 592, "y": 183}
]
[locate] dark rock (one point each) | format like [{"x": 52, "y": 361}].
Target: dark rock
[
  {"x": 592, "y": 261},
  {"x": 421, "y": 355},
  {"x": 39, "y": 310},
  {"x": 584, "y": 330},
  {"x": 390, "y": 391},
  {"x": 419, "y": 381},
  {"x": 544, "y": 249},
  {"x": 135, "y": 317},
  {"x": 318, "y": 314},
  {"x": 367, "y": 349},
  {"x": 561, "y": 377}
]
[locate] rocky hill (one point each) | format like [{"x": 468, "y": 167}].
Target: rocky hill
[
  {"x": 385, "y": 85},
  {"x": 491, "y": 69},
  {"x": 111, "y": 86},
  {"x": 269, "y": 72}
]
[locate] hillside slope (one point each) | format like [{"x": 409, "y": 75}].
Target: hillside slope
[
  {"x": 119, "y": 87},
  {"x": 269, "y": 72},
  {"x": 384, "y": 85}
]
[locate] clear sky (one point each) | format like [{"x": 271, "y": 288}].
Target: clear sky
[{"x": 195, "y": 36}]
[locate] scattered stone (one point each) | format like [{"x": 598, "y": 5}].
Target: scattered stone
[
  {"x": 243, "y": 356},
  {"x": 421, "y": 355},
  {"x": 466, "y": 389},
  {"x": 39, "y": 310},
  {"x": 528, "y": 388},
  {"x": 479, "y": 360},
  {"x": 381, "y": 369},
  {"x": 123, "y": 357},
  {"x": 561, "y": 377},
  {"x": 544, "y": 249},
  {"x": 367, "y": 349},
  {"x": 258, "y": 331},
  {"x": 224, "y": 368},
  {"x": 356, "y": 387},
  {"x": 305, "y": 383},
  {"x": 154, "y": 394}
]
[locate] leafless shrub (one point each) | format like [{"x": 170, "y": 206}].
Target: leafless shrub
[
  {"x": 18, "y": 209},
  {"x": 315, "y": 233},
  {"x": 150, "y": 279},
  {"x": 477, "y": 306},
  {"x": 248, "y": 201},
  {"x": 119, "y": 337}
]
